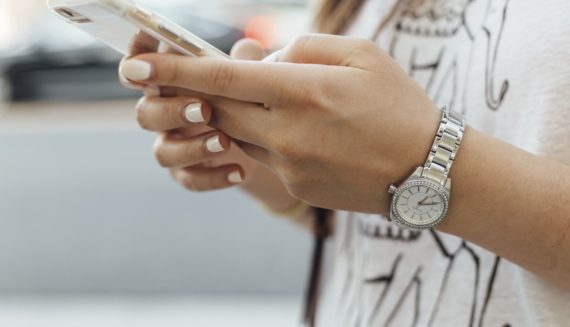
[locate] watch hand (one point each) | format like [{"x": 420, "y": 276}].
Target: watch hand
[
  {"x": 430, "y": 204},
  {"x": 422, "y": 201}
]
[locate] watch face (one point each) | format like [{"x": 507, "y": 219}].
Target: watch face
[{"x": 420, "y": 203}]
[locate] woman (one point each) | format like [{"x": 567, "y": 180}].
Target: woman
[{"x": 335, "y": 121}]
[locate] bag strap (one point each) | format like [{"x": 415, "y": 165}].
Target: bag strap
[{"x": 321, "y": 232}]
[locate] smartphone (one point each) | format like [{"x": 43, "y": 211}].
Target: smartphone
[{"x": 117, "y": 23}]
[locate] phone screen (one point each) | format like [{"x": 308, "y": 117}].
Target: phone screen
[
  {"x": 119, "y": 28},
  {"x": 103, "y": 23}
]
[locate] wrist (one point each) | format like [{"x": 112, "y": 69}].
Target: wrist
[
  {"x": 411, "y": 152},
  {"x": 422, "y": 200}
]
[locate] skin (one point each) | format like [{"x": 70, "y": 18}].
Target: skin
[
  {"x": 340, "y": 122},
  {"x": 180, "y": 145}
]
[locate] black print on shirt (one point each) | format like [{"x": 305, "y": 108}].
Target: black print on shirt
[
  {"x": 436, "y": 41},
  {"x": 388, "y": 232},
  {"x": 392, "y": 304}
]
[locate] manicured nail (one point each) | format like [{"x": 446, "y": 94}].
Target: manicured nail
[
  {"x": 235, "y": 177},
  {"x": 193, "y": 113},
  {"x": 214, "y": 145},
  {"x": 136, "y": 70}
]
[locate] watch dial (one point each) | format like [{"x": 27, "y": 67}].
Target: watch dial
[{"x": 420, "y": 205}]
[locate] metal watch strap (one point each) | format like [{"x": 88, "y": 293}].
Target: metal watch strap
[{"x": 445, "y": 146}]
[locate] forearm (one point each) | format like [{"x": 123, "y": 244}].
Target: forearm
[{"x": 514, "y": 204}]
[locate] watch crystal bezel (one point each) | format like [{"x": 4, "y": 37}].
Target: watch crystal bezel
[{"x": 419, "y": 182}]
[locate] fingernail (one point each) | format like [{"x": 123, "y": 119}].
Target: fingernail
[
  {"x": 214, "y": 145},
  {"x": 193, "y": 113},
  {"x": 274, "y": 57},
  {"x": 235, "y": 177},
  {"x": 136, "y": 70}
]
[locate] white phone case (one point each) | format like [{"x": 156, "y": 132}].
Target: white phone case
[{"x": 117, "y": 22}]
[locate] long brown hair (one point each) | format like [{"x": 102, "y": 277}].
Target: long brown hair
[{"x": 335, "y": 15}]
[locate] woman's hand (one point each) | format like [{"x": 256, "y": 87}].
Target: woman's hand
[
  {"x": 198, "y": 156},
  {"x": 340, "y": 121}
]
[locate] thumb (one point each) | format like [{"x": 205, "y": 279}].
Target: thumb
[{"x": 248, "y": 49}]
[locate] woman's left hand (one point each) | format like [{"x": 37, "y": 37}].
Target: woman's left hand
[{"x": 335, "y": 117}]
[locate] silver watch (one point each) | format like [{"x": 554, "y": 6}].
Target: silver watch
[{"x": 422, "y": 200}]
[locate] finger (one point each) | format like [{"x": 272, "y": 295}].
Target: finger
[
  {"x": 169, "y": 91},
  {"x": 244, "y": 121},
  {"x": 189, "y": 132},
  {"x": 326, "y": 49},
  {"x": 164, "y": 114},
  {"x": 141, "y": 43},
  {"x": 247, "y": 49},
  {"x": 233, "y": 117},
  {"x": 130, "y": 84},
  {"x": 258, "y": 82},
  {"x": 274, "y": 57},
  {"x": 258, "y": 153},
  {"x": 152, "y": 91},
  {"x": 175, "y": 152},
  {"x": 203, "y": 179}
]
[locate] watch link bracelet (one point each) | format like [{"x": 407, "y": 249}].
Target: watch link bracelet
[{"x": 421, "y": 202}]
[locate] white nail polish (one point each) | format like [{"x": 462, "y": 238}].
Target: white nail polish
[
  {"x": 136, "y": 70},
  {"x": 214, "y": 145},
  {"x": 235, "y": 177},
  {"x": 193, "y": 113}
]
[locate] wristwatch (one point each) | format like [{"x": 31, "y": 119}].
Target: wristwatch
[{"x": 422, "y": 200}]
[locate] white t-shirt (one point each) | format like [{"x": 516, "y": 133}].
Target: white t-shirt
[{"x": 506, "y": 65}]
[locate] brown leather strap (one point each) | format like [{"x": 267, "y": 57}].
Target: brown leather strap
[{"x": 312, "y": 291}]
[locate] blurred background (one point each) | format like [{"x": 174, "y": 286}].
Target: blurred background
[{"x": 92, "y": 231}]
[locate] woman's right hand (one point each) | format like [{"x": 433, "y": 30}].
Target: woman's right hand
[{"x": 198, "y": 156}]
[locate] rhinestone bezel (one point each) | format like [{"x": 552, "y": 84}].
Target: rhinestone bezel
[{"x": 395, "y": 215}]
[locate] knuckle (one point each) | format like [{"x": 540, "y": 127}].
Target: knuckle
[
  {"x": 222, "y": 77},
  {"x": 301, "y": 42},
  {"x": 173, "y": 113},
  {"x": 313, "y": 94},
  {"x": 213, "y": 182},
  {"x": 365, "y": 45},
  {"x": 305, "y": 95},
  {"x": 189, "y": 182},
  {"x": 172, "y": 72},
  {"x": 194, "y": 152},
  {"x": 142, "y": 118},
  {"x": 297, "y": 47},
  {"x": 159, "y": 154}
]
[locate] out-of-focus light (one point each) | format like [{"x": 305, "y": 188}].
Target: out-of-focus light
[
  {"x": 16, "y": 18},
  {"x": 262, "y": 29},
  {"x": 5, "y": 24}
]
